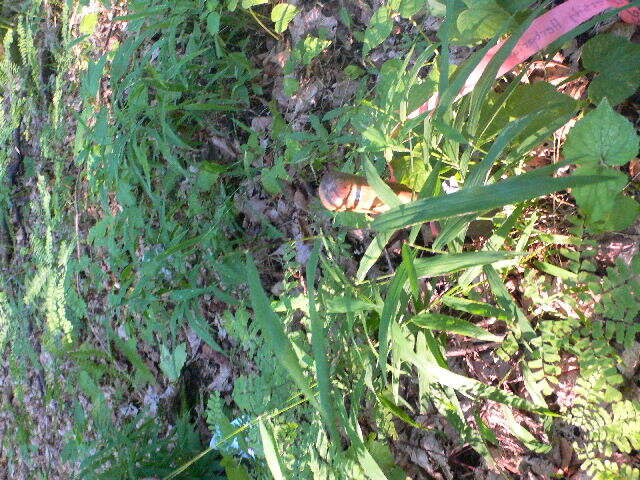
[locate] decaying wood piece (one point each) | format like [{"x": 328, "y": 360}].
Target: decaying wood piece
[{"x": 343, "y": 192}]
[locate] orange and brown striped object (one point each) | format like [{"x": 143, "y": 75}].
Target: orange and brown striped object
[{"x": 343, "y": 192}]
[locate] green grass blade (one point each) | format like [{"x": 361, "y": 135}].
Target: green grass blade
[
  {"x": 392, "y": 304},
  {"x": 474, "y": 307},
  {"x": 273, "y": 330},
  {"x": 454, "y": 262},
  {"x": 371, "y": 255},
  {"x": 270, "y": 451},
  {"x": 517, "y": 320},
  {"x": 478, "y": 199},
  {"x": 488, "y": 77},
  {"x": 479, "y": 174},
  {"x": 475, "y": 388},
  {"x": 447, "y": 323},
  {"x": 407, "y": 261},
  {"x": 494, "y": 243},
  {"x": 379, "y": 186},
  {"x": 318, "y": 344}
]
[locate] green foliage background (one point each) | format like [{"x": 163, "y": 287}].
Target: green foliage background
[{"x": 120, "y": 229}]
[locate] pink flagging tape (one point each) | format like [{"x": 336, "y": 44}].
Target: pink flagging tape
[{"x": 543, "y": 31}]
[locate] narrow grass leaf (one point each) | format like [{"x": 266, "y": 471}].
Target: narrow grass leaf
[
  {"x": 379, "y": 186},
  {"x": 495, "y": 242},
  {"x": 392, "y": 304},
  {"x": 318, "y": 344},
  {"x": 516, "y": 319},
  {"x": 270, "y": 451},
  {"x": 454, "y": 262},
  {"x": 407, "y": 261},
  {"x": 347, "y": 304},
  {"x": 371, "y": 255},
  {"x": 274, "y": 332},
  {"x": 447, "y": 323},
  {"x": 556, "y": 271},
  {"x": 399, "y": 412},
  {"x": 474, "y": 307},
  {"x": 475, "y": 389},
  {"x": 478, "y": 199}
]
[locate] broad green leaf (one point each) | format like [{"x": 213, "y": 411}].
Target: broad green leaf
[
  {"x": 290, "y": 86},
  {"x": 88, "y": 24},
  {"x": 436, "y": 7},
  {"x": 617, "y": 59},
  {"x": 596, "y": 202},
  {"x": 171, "y": 363},
  {"x": 273, "y": 329},
  {"x": 541, "y": 101},
  {"x": 378, "y": 30},
  {"x": 602, "y": 136},
  {"x": 622, "y": 216},
  {"x": 447, "y": 323},
  {"x": 213, "y": 23},
  {"x": 281, "y": 15},
  {"x": 409, "y": 8},
  {"x": 410, "y": 171},
  {"x": 477, "y": 199},
  {"x": 482, "y": 19}
]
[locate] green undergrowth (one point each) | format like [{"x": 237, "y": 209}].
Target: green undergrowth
[{"x": 135, "y": 248}]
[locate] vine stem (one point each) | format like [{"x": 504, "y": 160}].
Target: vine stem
[{"x": 266, "y": 29}]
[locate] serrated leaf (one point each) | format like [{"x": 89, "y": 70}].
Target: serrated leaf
[
  {"x": 378, "y": 30},
  {"x": 602, "y": 135},
  {"x": 617, "y": 59},
  {"x": 596, "y": 201},
  {"x": 281, "y": 16}
]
